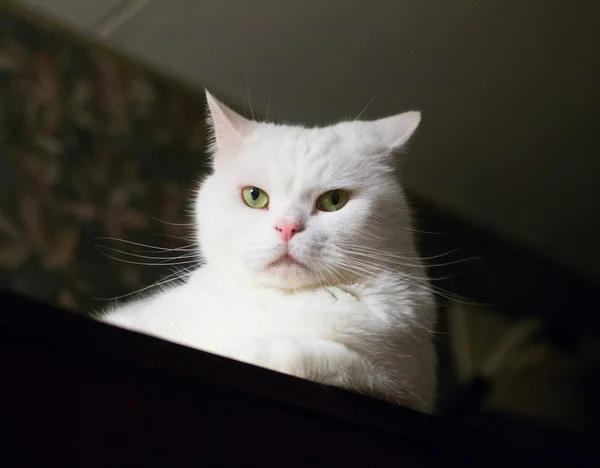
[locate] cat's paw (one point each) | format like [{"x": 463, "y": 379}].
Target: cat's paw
[{"x": 281, "y": 355}]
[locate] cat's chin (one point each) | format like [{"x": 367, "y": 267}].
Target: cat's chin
[
  {"x": 287, "y": 273},
  {"x": 288, "y": 266}
]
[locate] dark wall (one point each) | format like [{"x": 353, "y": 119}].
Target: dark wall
[{"x": 91, "y": 147}]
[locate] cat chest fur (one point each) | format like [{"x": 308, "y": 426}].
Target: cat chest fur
[{"x": 206, "y": 312}]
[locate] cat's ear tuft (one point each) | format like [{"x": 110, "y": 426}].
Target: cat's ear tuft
[
  {"x": 396, "y": 130},
  {"x": 228, "y": 127}
]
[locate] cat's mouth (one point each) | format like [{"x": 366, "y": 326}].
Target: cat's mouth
[{"x": 286, "y": 260}]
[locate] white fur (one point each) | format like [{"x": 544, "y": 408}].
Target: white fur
[{"x": 359, "y": 315}]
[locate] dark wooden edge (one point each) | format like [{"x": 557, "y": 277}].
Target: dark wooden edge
[{"x": 41, "y": 326}]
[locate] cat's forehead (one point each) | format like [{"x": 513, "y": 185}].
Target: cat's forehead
[
  {"x": 338, "y": 155},
  {"x": 341, "y": 141}
]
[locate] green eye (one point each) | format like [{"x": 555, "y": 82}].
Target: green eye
[
  {"x": 333, "y": 200},
  {"x": 255, "y": 197}
]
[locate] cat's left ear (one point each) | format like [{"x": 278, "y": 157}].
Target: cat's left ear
[
  {"x": 229, "y": 128},
  {"x": 396, "y": 130}
]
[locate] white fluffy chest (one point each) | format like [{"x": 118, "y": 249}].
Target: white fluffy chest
[{"x": 207, "y": 313}]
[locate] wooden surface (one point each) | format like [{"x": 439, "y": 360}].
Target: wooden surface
[{"x": 80, "y": 393}]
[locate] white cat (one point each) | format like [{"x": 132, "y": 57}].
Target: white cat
[{"x": 310, "y": 267}]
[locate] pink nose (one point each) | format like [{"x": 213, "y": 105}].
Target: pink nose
[{"x": 288, "y": 229}]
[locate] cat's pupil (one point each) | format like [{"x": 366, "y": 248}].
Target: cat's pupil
[
  {"x": 335, "y": 198},
  {"x": 254, "y": 193}
]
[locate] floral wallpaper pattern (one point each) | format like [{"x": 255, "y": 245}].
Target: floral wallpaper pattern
[{"x": 92, "y": 148}]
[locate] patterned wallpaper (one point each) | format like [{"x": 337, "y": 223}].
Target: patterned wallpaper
[{"x": 92, "y": 147}]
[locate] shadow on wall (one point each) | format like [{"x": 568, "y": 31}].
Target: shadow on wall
[{"x": 91, "y": 147}]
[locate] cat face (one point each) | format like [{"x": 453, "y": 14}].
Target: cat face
[{"x": 294, "y": 207}]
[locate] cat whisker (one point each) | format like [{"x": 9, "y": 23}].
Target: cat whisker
[
  {"x": 125, "y": 241},
  {"x": 184, "y": 262},
  {"x": 169, "y": 279},
  {"x": 171, "y": 236},
  {"x": 248, "y": 93},
  {"x": 150, "y": 257},
  {"x": 420, "y": 231},
  {"x": 368, "y": 105},
  {"x": 368, "y": 271},
  {"x": 332, "y": 273},
  {"x": 415, "y": 265},
  {"x": 442, "y": 292},
  {"x": 376, "y": 267},
  {"x": 172, "y": 224},
  {"x": 392, "y": 254},
  {"x": 186, "y": 251},
  {"x": 378, "y": 257}
]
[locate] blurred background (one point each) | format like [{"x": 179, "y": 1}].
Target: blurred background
[{"x": 102, "y": 137}]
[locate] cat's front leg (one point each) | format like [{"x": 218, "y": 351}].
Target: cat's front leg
[
  {"x": 331, "y": 363},
  {"x": 323, "y": 361},
  {"x": 278, "y": 354}
]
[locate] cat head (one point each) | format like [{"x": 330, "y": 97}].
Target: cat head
[{"x": 292, "y": 207}]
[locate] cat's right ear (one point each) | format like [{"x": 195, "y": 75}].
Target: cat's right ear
[
  {"x": 228, "y": 127},
  {"x": 396, "y": 130}
]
